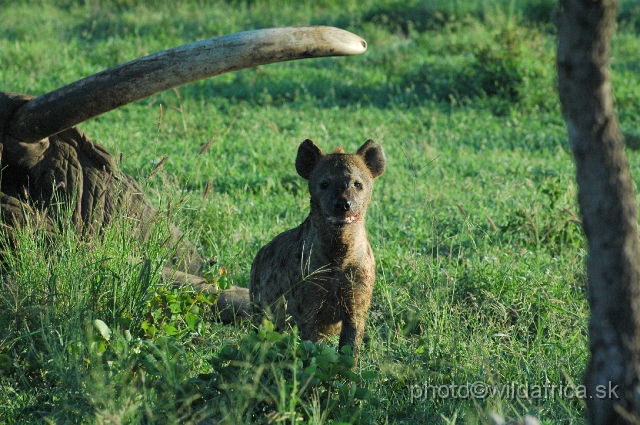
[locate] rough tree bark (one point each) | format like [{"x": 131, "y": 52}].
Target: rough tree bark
[{"x": 606, "y": 195}]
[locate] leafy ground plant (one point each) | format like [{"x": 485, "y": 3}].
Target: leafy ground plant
[{"x": 275, "y": 376}]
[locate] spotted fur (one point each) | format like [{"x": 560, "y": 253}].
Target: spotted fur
[{"x": 320, "y": 275}]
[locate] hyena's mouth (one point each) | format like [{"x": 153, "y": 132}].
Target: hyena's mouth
[{"x": 343, "y": 221}]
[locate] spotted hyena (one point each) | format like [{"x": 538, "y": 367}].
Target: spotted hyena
[{"x": 320, "y": 274}]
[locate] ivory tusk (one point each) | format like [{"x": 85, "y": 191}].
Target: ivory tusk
[{"x": 105, "y": 91}]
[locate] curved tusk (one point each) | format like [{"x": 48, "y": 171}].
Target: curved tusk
[{"x": 94, "y": 95}]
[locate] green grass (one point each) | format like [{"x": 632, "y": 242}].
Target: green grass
[{"x": 479, "y": 255}]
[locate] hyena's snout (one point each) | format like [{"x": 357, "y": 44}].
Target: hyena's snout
[
  {"x": 342, "y": 204},
  {"x": 341, "y": 208},
  {"x": 345, "y": 200}
]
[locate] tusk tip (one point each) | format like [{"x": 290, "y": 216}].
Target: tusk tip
[{"x": 348, "y": 43}]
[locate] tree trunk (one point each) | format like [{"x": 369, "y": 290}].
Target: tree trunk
[{"x": 606, "y": 195}]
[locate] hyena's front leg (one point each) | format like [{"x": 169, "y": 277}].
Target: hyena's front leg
[
  {"x": 357, "y": 303},
  {"x": 350, "y": 333},
  {"x": 309, "y": 330},
  {"x": 304, "y": 314},
  {"x": 350, "y": 318}
]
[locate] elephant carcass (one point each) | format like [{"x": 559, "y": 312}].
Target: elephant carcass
[{"x": 69, "y": 168}]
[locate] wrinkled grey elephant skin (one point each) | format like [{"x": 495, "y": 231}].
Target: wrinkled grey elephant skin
[{"x": 70, "y": 168}]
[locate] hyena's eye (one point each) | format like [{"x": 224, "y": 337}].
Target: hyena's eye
[
  {"x": 358, "y": 185},
  {"x": 324, "y": 184}
]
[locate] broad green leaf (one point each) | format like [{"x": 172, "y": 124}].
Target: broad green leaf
[
  {"x": 311, "y": 369},
  {"x": 347, "y": 361},
  {"x": 369, "y": 375},
  {"x": 349, "y": 374},
  {"x": 176, "y": 307},
  {"x": 362, "y": 393},
  {"x": 103, "y": 329},
  {"x": 170, "y": 330},
  {"x": 344, "y": 393},
  {"x": 274, "y": 336},
  {"x": 192, "y": 320}
]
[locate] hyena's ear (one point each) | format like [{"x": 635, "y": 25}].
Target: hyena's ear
[
  {"x": 308, "y": 156},
  {"x": 373, "y": 155}
]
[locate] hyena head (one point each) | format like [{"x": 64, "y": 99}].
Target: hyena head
[{"x": 340, "y": 184}]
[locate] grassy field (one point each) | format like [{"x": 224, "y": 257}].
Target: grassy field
[{"x": 480, "y": 284}]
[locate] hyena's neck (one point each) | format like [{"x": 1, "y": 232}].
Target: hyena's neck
[{"x": 336, "y": 242}]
